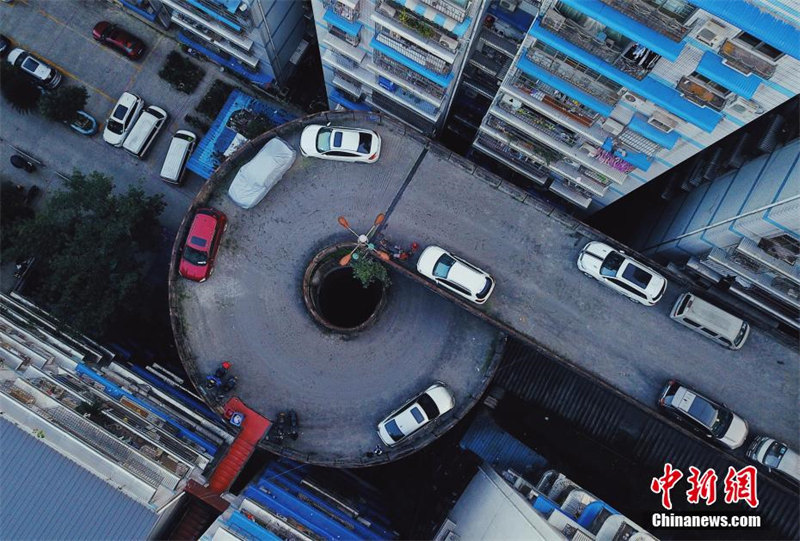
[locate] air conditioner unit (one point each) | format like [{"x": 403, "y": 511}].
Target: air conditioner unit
[
  {"x": 632, "y": 99},
  {"x": 387, "y": 10},
  {"x": 663, "y": 121},
  {"x": 511, "y": 101},
  {"x": 553, "y": 19},
  {"x": 448, "y": 43},
  {"x": 712, "y": 33},
  {"x": 509, "y": 5},
  {"x": 612, "y": 126},
  {"x": 743, "y": 106}
]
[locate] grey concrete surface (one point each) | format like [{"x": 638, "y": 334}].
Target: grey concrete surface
[{"x": 251, "y": 312}]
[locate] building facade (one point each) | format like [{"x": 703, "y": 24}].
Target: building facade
[
  {"x": 402, "y": 57},
  {"x": 606, "y": 95},
  {"x": 260, "y": 41},
  {"x": 125, "y": 425},
  {"x": 743, "y": 228}
]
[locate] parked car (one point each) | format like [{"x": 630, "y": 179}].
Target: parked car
[
  {"x": 615, "y": 269},
  {"x": 434, "y": 402},
  {"x": 5, "y": 45},
  {"x": 455, "y": 274},
  {"x": 122, "y": 118},
  {"x": 257, "y": 177},
  {"x": 775, "y": 456},
  {"x": 118, "y": 39},
  {"x": 39, "y": 71},
  {"x": 707, "y": 320},
  {"x": 202, "y": 243},
  {"x": 703, "y": 415},
  {"x": 340, "y": 143}
]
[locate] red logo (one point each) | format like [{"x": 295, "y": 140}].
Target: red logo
[
  {"x": 702, "y": 486},
  {"x": 739, "y": 485},
  {"x": 665, "y": 483}
]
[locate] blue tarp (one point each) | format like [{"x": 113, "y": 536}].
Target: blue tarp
[
  {"x": 639, "y": 124},
  {"x": 628, "y": 27},
  {"x": 352, "y": 28},
  {"x": 441, "y": 80},
  {"x": 712, "y": 67},
  {"x": 660, "y": 94},
  {"x": 521, "y": 20},
  {"x": 564, "y": 87},
  {"x": 258, "y": 77},
  {"x": 758, "y": 22}
]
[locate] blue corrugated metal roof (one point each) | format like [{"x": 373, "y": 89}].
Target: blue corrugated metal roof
[
  {"x": 48, "y": 496},
  {"x": 760, "y": 23},
  {"x": 441, "y": 80},
  {"x": 564, "y": 87},
  {"x": 521, "y": 20},
  {"x": 448, "y": 23},
  {"x": 668, "y": 98},
  {"x": 263, "y": 77},
  {"x": 214, "y": 15},
  {"x": 338, "y": 98},
  {"x": 639, "y": 124},
  {"x": 499, "y": 448},
  {"x": 249, "y": 529},
  {"x": 628, "y": 27},
  {"x": 352, "y": 28},
  {"x": 712, "y": 67}
]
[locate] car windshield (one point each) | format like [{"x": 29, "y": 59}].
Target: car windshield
[
  {"x": 611, "y": 264},
  {"x": 393, "y": 430},
  {"x": 364, "y": 142},
  {"x": 443, "y": 266},
  {"x": 774, "y": 454},
  {"x": 427, "y": 403},
  {"x": 324, "y": 140},
  {"x": 722, "y": 423},
  {"x": 637, "y": 276},
  {"x": 195, "y": 257},
  {"x": 30, "y": 64},
  {"x": 114, "y": 126}
]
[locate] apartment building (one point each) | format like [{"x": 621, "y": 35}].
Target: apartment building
[
  {"x": 605, "y": 95},
  {"x": 116, "y": 446},
  {"x": 742, "y": 229},
  {"x": 258, "y": 40},
  {"x": 402, "y": 57}
]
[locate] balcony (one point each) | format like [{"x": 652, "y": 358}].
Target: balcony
[
  {"x": 576, "y": 77},
  {"x": 401, "y": 71},
  {"x": 202, "y": 18},
  {"x": 540, "y": 123},
  {"x": 418, "y": 30},
  {"x": 596, "y": 43},
  {"x": 651, "y": 17},
  {"x": 490, "y": 66},
  {"x": 511, "y": 158},
  {"x": 564, "y": 106},
  {"x": 344, "y": 47},
  {"x": 348, "y": 9},
  {"x": 410, "y": 50},
  {"x": 518, "y": 138},
  {"x": 503, "y": 45},
  {"x": 455, "y": 9},
  {"x": 702, "y": 93},
  {"x": 745, "y": 60},
  {"x": 219, "y": 42},
  {"x": 572, "y": 193}
]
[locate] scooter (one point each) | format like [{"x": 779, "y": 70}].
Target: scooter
[{"x": 20, "y": 162}]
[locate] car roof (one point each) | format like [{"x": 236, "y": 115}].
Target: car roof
[
  {"x": 203, "y": 227},
  {"x": 407, "y": 422},
  {"x": 694, "y": 405},
  {"x": 344, "y": 139},
  {"x": 466, "y": 276}
]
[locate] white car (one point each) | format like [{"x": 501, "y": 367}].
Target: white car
[
  {"x": 618, "y": 271},
  {"x": 258, "y": 176},
  {"x": 434, "y": 402},
  {"x": 122, "y": 118},
  {"x": 775, "y": 456},
  {"x": 340, "y": 143},
  {"x": 44, "y": 75},
  {"x": 455, "y": 274}
]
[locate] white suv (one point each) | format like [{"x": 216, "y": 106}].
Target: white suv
[
  {"x": 455, "y": 274},
  {"x": 122, "y": 118},
  {"x": 618, "y": 271}
]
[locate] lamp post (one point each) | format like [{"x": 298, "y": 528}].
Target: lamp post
[{"x": 364, "y": 241}]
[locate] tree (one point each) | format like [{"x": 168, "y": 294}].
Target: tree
[
  {"x": 14, "y": 210},
  {"x": 17, "y": 88},
  {"x": 368, "y": 270},
  {"x": 63, "y": 103},
  {"x": 90, "y": 245}
]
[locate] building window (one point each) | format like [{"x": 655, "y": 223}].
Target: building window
[
  {"x": 783, "y": 247},
  {"x": 680, "y": 10},
  {"x": 758, "y": 45}
]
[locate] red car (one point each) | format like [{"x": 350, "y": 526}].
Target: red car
[
  {"x": 202, "y": 243},
  {"x": 119, "y": 39}
]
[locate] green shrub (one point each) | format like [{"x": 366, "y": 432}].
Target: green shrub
[
  {"x": 181, "y": 73},
  {"x": 367, "y": 270},
  {"x": 63, "y": 103},
  {"x": 215, "y": 98}
]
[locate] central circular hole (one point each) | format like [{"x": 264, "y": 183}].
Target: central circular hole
[{"x": 344, "y": 301}]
